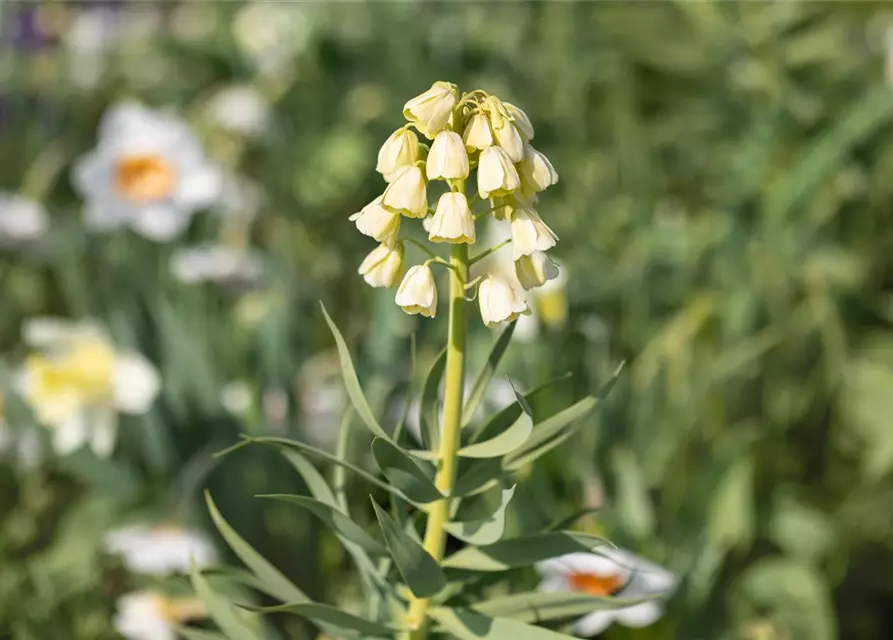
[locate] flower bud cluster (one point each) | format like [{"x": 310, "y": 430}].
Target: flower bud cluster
[{"x": 470, "y": 133}]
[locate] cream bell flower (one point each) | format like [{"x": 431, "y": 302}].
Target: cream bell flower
[
  {"x": 536, "y": 170},
  {"x": 401, "y": 149},
  {"x": 22, "y": 220},
  {"x": 383, "y": 266},
  {"x": 611, "y": 572},
  {"x": 497, "y": 175},
  {"x": 147, "y": 171},
  {"x": 508, "y": 138},
  {"x": 432, "y": 110},
  {"x": 530, "y": 233},
  {"x": 148, "y": 615},
  {"x": 477, "y": 135},
  {"x": 377, "y": 222},
  {"x": 77, "y": 383},
  {"x": 407, "y": 193},
  {"x": 535, "y": 270},
  {"x": 418, "y": 293},
  {"x": 447, "y": 159},
  {"x": 160, "y": 549},
  {"x": 499, "y": 301},
  {"x": 452, "y": 220},
  {"x": 522, "y": 122}
]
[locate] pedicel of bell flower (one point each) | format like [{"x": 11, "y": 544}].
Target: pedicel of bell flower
[
  {"x": 432, "y": 110},
  {"x": 530, "y": 233},
  {"x": 417, "y": 293},
  {"x": 536, "y": 170},
  {"x": 407, "y": 194},
  {"x": 452, "y": 220},
  {"x": 377, "y": 222},
  {"x": 477, "y": 135},
  {"x": 447, "y": 159},
  {"x": 383, "y": 266},
  {"x": 401, "y": 149},
  {"x": 497, "y": 175},
  {"x": 535, "y": 270},
  {"x": 499, "y": 301},
  {"x": 522, "y": 122},
  {"x": 508, "y": 138}
]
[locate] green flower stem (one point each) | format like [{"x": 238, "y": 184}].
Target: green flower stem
[
  {"x": 454, "y": 376},
  {"x": 486, "y": 253}
]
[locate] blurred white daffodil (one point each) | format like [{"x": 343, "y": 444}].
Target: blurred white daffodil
[
  {"x": 147, "y": 171},
  {"x": 160, "y": 549},
  {"x": 220, "y": 264},
  {"x": 611, "y": 572},
  {"x": 149, "y": 615},
  {"x": 240, "y": 109},
  {"x": 22, "y": 220},
  {"x": 77, "y": 382}
]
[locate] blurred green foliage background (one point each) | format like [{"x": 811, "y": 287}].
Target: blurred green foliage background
[{"x": 724, "y": 209}]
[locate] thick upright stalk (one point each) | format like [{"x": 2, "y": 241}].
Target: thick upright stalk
[{"x": 454, "y": 378}]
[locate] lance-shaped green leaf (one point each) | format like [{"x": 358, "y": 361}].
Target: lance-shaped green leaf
[
  {"x": 486, "y": 530},
  {"x": 429, "y": 407},
  {"x": 523, "y": 551},
  {"x": 416, "y": 566},
  {"x": 467, "y": 625},
  {"x": 475, "y": 475},
  {"x": 502, "y": 444},
  {"x": 404, "y": 472},
  {"x": 479, "y": 390},
  {"x": 351, "y": 382},
  {"x": 276, "y": 583},
  {"x": 219, "y": 609},
  {"x": 314, "y": 480},
  {"x": 335, "y": 617},
  {"x": 333, "y": 518},
  {"x": 543, "y": 606}
]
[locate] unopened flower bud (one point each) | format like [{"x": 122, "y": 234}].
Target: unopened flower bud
[
  {"x": 537, "y": 172},
  {"x": 530, "y": 233},
  {"x": 499, "y": 301},
  {"x": 477, "y": 135},
  {"x": 535, "y": 270},
  {"x": 508, "y": 138},
  {"x": 376, "y": 221},
  {"x": 382, "y": 267},
  {"x": 418, "y": 293},
  {"x": 447, "y": 159},
  {"x": 497, "y": 175},
  {"x": 452, "y": 221},
  {"x": 525, "y": 127},
  {"x": 399, "y": 150},
  {"x": 431, "y": 111},
  {"x": 407, "y": 193}
]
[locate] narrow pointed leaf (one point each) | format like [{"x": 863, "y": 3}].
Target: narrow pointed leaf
[
  {"x": 318, "y": 486},
  {"x": 405, "y": 473},
  {"x": 333, "y": 518},
  {"x": 485, "y": 531},
  {"x": 467, "y": 625},
  {"x": 220, "y": 610},
  {"x": 523, "y": 551},
  {"x": 335, "y": 617},
  {"x": 277, "y": 584},
  {"x": 543, "y": 606},
  {"x": 500, "y": 421},
  {"x": 479, "y": 390},
  {"x": 474, "y": 475},
  {"x": 418, "y": 569},
  {"x": 429, "y": 407},
  {"x": 351, "y": 382},
  {"x": 502, "y": 444}
]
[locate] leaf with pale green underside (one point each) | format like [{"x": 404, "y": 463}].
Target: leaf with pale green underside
[
  {"x": 429, "y": 407},
  {"x": 351, "y": 382},
  {"x": 501, "y": 420},
  {"x": 504, "y": 443},
  {"x": 405, "y": 473},
  {"x": 416, "y": 566},
  {"x": 276, "y": 583},
  {"x": 486, "y": 530},
  {"x": 523, "y": 551},
  {"x": 475, "y": 475},
  {"x": 467, "y": 625},
  {"x": 334, "y": 617},
  {"x": 543, "y": 606},
  {"x": 479, "y": 390},
  {"x": 333, "y": 518},
  {"x": 219, "y": 609}
]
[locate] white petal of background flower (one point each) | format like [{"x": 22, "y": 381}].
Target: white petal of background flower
[
  {"x": 593, "y": 623},
  {"x": 103, "y": 425},
  {"x": 21, "y": 219},
  {"x": 639, "y": 615},
  {"x": 135, "y": 383},
  {"x": 71, "y": 434},
  {"x": 161, "y": 222},
  {"x": 140, "y": 616}
]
